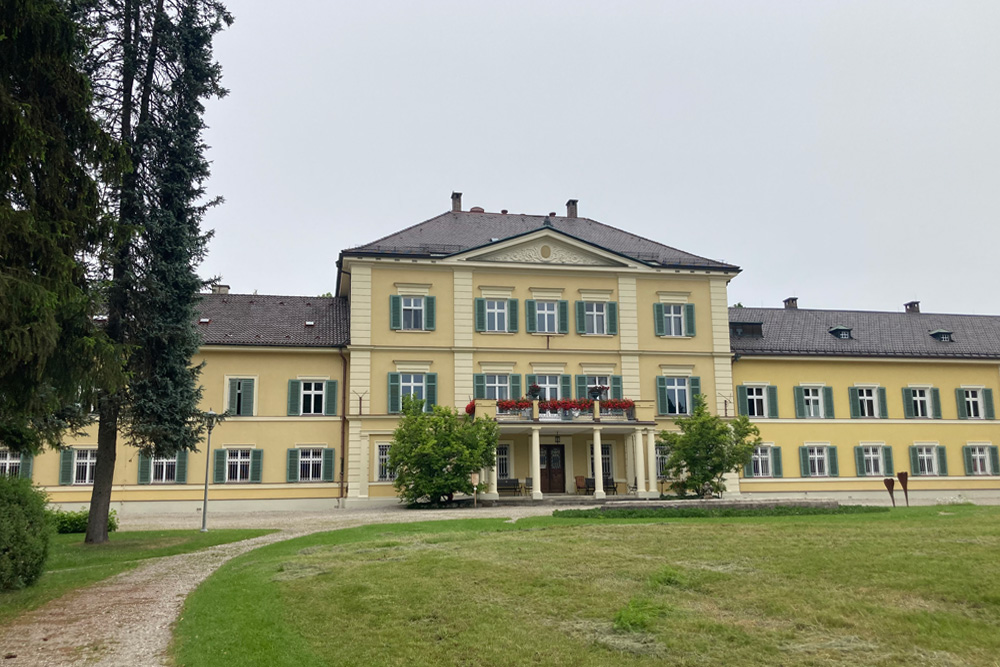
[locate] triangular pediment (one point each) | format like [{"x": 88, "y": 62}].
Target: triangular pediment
[{"x": 544, "y": 247}]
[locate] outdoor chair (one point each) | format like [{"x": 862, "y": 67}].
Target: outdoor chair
[{"x": 581, "y": 484}]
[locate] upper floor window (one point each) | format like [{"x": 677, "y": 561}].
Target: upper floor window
[
  {"x": 756, "y": 402},
  {"x": 546, "y": 317},
  {"x": 844, "y": 333},
  {"x": 411, "y": 313},
  {"x": 241, "y": 397},
  {"x": 671, "y": 319},
  {"x": 550, "y": 385},
  {"x": 496, "y": 315},
  {"x": 675, "y": 395},
  {"x": 759, "y": 401},
  {"x": 312, "y": 397},
  {"x": 417, "y": 385},
  {"x": 972, "y": 406},
  {"x": 497, "y": 386},
  {"x": 813, "y": 402},
  {"x": 868, "y": 402},
  {"x": 919, "y": 402},
  {"x": 975, "y": 403},
  {"x": 597, "y": 317}
]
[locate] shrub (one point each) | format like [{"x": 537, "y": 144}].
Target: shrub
[
  {"x": 24, "y": 533},
  {"x": 76, "y": 522}
]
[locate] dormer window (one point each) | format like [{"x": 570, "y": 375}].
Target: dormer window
[
  {"x": 310, "y": 323},
  {"x": 942, "y": 335},
  {"x": 844, "y": 333},
  {"x": 746, "y": 329},
  {"x": 204, "y": 320}
]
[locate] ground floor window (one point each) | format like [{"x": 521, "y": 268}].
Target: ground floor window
[
  {"x": 605, "y": 460},
  {"x": 86, "y": 461},
  {"x": 384, "y": 474},
  {"x": 503, "y": 461},
  {"x": 311, "y": 465},
  {"x": 238, "y": 465},
  {"x": 10, "y": 463},
  {"x": 979, "y": 457},
  {"x": 761, "y": 462},
  {"x": 926, "y": 460},
  {"x": 164, "y": 470}
]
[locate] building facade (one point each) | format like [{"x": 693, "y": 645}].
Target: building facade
[{"x": 477, "y": 310}]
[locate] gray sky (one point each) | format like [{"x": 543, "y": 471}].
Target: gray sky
[{"x": 847, "y": 153}]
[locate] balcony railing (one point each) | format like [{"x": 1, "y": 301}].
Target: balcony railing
[{"x": 563, "y": 410}]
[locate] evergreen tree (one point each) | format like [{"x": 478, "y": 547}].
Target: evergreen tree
[
  {"x": 151, "y": 61},
  {"x": 51, "y": 150}
]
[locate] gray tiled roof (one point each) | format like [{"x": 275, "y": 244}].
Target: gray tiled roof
[
  {"x": 454, "y": 232},
  {"x": 874, "y": 334},
  {"x": 253, "y": 319}
]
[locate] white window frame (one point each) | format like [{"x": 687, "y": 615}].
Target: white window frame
[
  {"x": 599, "y": 381},
  {"x": 311, "y": 392},
  {"x": 920, "y": 403},
  {"x": 927, "y": 459},
  {"x": 546, "y": 313},
  {"x": 503, "y": 461},
  {"x": 311, "y": 464},
  {"x": 762, "y": 463},
  {"x": 980, "y": 459},
  {"x": 163, "y": 470},
  {"x": 410, "y": 385},
  {"x": 496, "y": 315},
  {"x": 497, "y": 384},
  {"x": 868, "y": 396},
  {"x": 662, "y": 455},
  {"x": 973, "y": 397},
  {"x": 551, "y": 386},
  {"x": 10, "y": 463},
  {"x": 678, "y": 387},
  {"x": 414, "y": 307},
  {"x": 871, "y": 454},
  {"x": 673, "y": 319},
  {"x": 607, "y": 459},
  {"x": 757, "y": 401},
  {"x": 812, "y": 397},
  {"x": 88, "y": 461},
  {"x": 595, "y": 318},
  {"x": 382, "y": 462},
  {"x": 239, "y": 459},
  {"x": 818, "y": 457}
]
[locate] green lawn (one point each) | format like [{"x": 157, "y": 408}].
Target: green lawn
[
  {"x": 916, "y": 586},
  {"x": 73, "y": 564}
]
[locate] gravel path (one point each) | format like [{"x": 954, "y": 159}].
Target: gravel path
[{"x": 126, "y": 621}]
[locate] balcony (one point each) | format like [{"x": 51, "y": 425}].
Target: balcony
[{"x": 561, "y": 411}]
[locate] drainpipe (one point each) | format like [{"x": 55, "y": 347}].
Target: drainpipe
[{"x": 343, "y": 424}]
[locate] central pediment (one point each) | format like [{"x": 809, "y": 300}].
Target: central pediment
[{"x": 545, "y": 249}]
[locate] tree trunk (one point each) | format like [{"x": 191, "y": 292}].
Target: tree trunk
[{"x": 104, "y": 472}]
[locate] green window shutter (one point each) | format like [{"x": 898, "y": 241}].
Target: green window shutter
[
  {"x": 480, "y": 314},
  {"x": 659, "y": 325},
  {"x": 859, "y": 461},
  {"x": 831, "y": 453},
  {"x": 776, "y": 470},
  {"x": 890, "y": 469},
  {"x": 430, "y": 390},
  {"x": 294, "y": 398},
  {"x": 581, "y": 386},
  {"x": 181, "y": 473},
  {"x": 612, "y": 316},
  {"x": 967, "y": 456},
  {"x": 26, "y": 462},
  {"x": 330, "y": 397},
  {"x": 395, "y": 400},
  {"x": 66, "y": 467},
  {"x": 936, "y": 403},
  {"x": 883, "y": 404},
  {"x": 479, "y": 385},
  {"x": 907, "y": 402},
  {"x": 512, "y": 315},
  {"x": 256, "y": 465},
  {"x": 694, "y": 382},
  {"x": 581, "y": 319},
  {"x": 960, "y": 402},
  {"x": 529, "y": 379},
  {"x": 395, "y": 312},
  {"x": 563, "y": 309},
  {"x": 616, "y": 387},
  {"x": 994, "y": 460},
  {"x": 741, "y": 400},
  {"x": 828, "y": 402},
  {"x": 772, "y": 401},
  {"x": 430, "y": 313},
  {"x": 566, "y": 386},
  {"x": 804, "y": 461},
  {"x": 329, "y": 463},
  {"x": 689, "y": 319},
  {"x": 234, "y": 387},
  {"x": 145, "y": 467},
  {"x": 220, "y": 466},
  {"x": 246, "y": 385},
  {"x": 661, "y": 395},
  {"x": 852, "y": 394},
  {"x": 990, "y": 412},
  {"x": 530, "y": 321},
  {"x": 748, "y": 468},
  {"x": 515, "y": 385},
  {"x": 800, "y": 402},
  {"x": 942, "y": 456},
  {"x": 914, "y": 461},
  {"x": 292, "y": 474}
]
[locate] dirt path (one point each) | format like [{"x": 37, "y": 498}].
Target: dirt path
[{"x": 126, "y": 621}]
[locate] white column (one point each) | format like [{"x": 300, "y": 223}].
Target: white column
[
  {"x": 491, "y": 484},
  {"x": 651, "y": 457},
  {"x": 536, "y": 463},
  {"x": 598, "y": 466},
  {"x": 640, "y": 465}
]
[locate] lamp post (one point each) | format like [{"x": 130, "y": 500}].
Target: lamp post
[{"x": 211, "y": 419}]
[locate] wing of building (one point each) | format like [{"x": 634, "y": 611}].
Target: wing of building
[{"x": 485, "y": 311}]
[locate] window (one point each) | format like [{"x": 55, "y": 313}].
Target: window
[
  {"x": 417, "y": 385},
  {"x": 10, "y": 463},
  {"x": 761, "y": 462},
  {"x": 503, "y": 461},
  {"x": 497, "y": 387},
  {"x": 411, "y": 384},
  {"x": 84, "y": 464},
  {"x": 662, "y": 455},
  {"x": 760, "y": 401},
  {"x": 238, "y": 465},
  {"x": 868, "y": 402},
  {"x": 756, "y": 402},
  {"x": 918, "y": 403},
  {"x": 746, "y": 329},
  {"x": 871, "y": 461},
  {"x": 926, "y": 460},
  {"x": 413, "y": 313},
  {"x": 310, "y": 465},
  {"x": 546, "y": 317},
  {"x": 241, "y": 393},
  {"x": 595, "y": 318},
  {"x": 312, "y": 398},
  {"x": 972, "y": 409},
  {"x": 599, "y": 381},
  {"x": 813, "y": 401},
  {"x": 550, "y": 386},
  {"x": 605, "y": 460},
  {"x": 979, "y": 456},
  {"x": 673, "y": 319},
  {"x": 843, "y": 333},
  {"x": 818, "y": 461},
  {"x": 384, "y": 474},
  {"x": 496, "y": 315},
  {"x": 164, "y": 470},
  {"x": 674, "y": 395}
]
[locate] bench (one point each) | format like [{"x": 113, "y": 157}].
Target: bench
[{"x": 513, "y": 485}]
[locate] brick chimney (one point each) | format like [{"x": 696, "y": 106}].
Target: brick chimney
[
  {"x": 571, "y": 208},
  {"x": 791, "y": 303},
  {"x": 456, "y": 201},
  {"x": 912, "y": 306},
  {"x": 220, "y": 289}
]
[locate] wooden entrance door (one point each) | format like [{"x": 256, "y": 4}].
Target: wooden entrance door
[{"x": 553, "y": 476}]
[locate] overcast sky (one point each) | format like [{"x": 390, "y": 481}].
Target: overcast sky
[{"x": 847, "y": 153}]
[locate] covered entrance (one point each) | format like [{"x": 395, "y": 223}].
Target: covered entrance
[{"x": 553, "y": 475}]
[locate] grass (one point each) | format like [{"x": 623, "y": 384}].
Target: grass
[
  {"x": 712, "y": 512},
  {"x": 915, "y": 586},
  {"x": 73, "y": 564}
]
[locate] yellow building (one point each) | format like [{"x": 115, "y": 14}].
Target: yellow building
[{"x": 471, "y": 306}]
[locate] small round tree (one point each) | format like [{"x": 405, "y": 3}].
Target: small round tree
[
  {"x": 24, "y": 533},
  {"x": 433, "y": 454}
]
